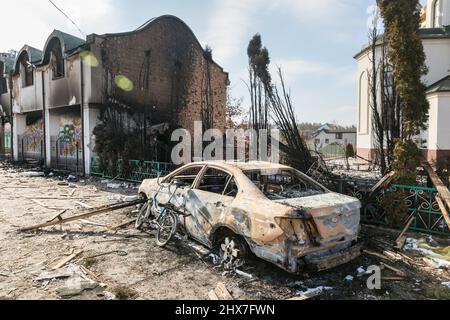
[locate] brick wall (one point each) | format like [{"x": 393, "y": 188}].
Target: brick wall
[{"x": 166, "y": 65}]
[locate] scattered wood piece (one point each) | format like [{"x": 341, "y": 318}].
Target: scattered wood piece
[
  {"x": 58, "y": 215},
  {"x": 376, "y": 254},
  {"x": 222, "y": 292},
  {"x": 66, "y": 260},
  {"x": 443, "y": 210},
  {"x": 383, "y": 183},
  {"x": 213, "y": 296},
  {"x": 44, "y": 205},
  {"x": 303, "y": 297},
  {"x": 244, "y": 274},
  {"x": 393, "y": 278},
  {"x": 443, "y": 192},
  {"x": 39, "y": 203},
  {"x": 89, "y": 272},
  {"x": 93, "y": 223},
  {"x": 126, "y": 223},
  {"x": 84, "y": 205},
  {"x": 399, "y": 272},
  {"x": 57, "y": 274},
  {"x": 96, "y": 212},
  {"x": 400, "y": 241}
]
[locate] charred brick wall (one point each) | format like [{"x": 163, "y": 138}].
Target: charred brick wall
[{"x": 165, "y": 67}]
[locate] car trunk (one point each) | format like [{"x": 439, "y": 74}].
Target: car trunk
[{"x": 336, "y": 217}]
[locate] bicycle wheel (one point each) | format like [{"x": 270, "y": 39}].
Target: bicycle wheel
[
  {"x": 166, "y": 229},
  {"x": 143, "y": 215}
]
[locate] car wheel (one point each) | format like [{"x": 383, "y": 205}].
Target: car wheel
[{"x": 233, "y": 251}]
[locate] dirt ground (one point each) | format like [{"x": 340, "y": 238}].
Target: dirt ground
[{"x": 127, "y": 264}]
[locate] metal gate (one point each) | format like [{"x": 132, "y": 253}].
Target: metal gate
[
  {"x": 66, "y": 154},
  {"x": 31, "y": 149}
]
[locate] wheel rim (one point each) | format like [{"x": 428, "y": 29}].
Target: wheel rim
[
  {"x": 166, "y": 229},
  {"x": 142, "y": 215},
  {"x": 230, "y": 253}
]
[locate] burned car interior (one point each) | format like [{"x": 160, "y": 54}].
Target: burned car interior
[{"x": 283, "y": 184}]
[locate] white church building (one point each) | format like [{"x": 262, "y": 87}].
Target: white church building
[{"x": 435, "y": 35}]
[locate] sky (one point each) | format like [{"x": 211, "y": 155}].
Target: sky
[{"x": 313, "y": 41}]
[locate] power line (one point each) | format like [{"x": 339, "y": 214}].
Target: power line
[{"x": 67, "y": 17}]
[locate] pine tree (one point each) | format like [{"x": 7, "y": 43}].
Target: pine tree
[{"x": 407, "y": 56}]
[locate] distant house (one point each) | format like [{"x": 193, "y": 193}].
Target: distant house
[{"x": 331, "y": 135}]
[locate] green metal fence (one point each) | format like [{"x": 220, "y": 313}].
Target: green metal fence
[
  {"x": 137, "y": 170},
  {"x": 419, "y": 201}
]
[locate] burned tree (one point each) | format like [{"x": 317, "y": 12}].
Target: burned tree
[
  {"x": 283, "y": 115},
  {"x": 260, "y": 84}
]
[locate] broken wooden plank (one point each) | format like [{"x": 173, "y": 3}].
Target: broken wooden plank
[
  {"x": 443, "y": 192},
  {"x": 400, "y": 241},
  {"x": 66, "y": 260},
  {"x": 39, "y": 203},
  {"x": 83, "y": 221},
  {"x": 84, "y": 205},
  {"x": 383, "y": 183},
  {"x": 96, "y": 212},
  {"x": 58, "y": 215},
  {"x": 44, "y": 205},
  {"x": 443, "y": 210},
  {"x": 306, "y": 297},
  {"x": 213, "y": 296},
  {"x": 397, "y": 271},
  {"x": 377, "y": 255},
  {"x": 222, "y": 292},
  {"x": 126, "y": 223}
]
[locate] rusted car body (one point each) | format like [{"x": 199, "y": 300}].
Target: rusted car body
[{"x": 285, "y": 217}]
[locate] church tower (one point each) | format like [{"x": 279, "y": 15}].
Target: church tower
[{"x": 437, "y": 13}]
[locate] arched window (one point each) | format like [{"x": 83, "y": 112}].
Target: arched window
[
  {"x": 363, "y": 104},
  {"x": 437, "y": 14},
  {"x": 57, "y": 61},
  {"x": 26, "y": 71},
  {"x": 3, "y": 85}
]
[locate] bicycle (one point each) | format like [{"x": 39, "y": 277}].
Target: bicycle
[{"x": 164, "y": 216}]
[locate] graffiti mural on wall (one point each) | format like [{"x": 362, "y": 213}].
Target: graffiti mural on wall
[
  {"x": 33, "y": 137},
  {"x": 69, "y": 135}
]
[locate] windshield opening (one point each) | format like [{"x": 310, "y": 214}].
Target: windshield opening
[{"x": 283, "y": 184}]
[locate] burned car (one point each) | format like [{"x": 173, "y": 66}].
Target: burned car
[{"x": 276, "y": 212}]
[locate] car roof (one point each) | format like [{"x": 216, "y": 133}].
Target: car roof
[{"x": 244, "y": 166}]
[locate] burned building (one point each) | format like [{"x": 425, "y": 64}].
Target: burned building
[
  {"x": 6, "y": 67},
  {"x": 116, "y": 94}
]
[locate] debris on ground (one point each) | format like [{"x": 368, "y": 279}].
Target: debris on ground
[
  {"x": 220, "y": 293},
  {"x": 349, "y": 278},
  {"x": 122, "y": 292},
  {"x": 314, "y": 292},
  {"x": 436, "y": 257},
  {"x": 28, "y": 258}
]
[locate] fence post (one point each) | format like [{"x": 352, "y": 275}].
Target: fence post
[{"x": 78, "y": 157}]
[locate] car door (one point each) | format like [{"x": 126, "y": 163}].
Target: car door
[
  {"x": 176, "y": 192},
  {"x": 211, "y": 197}
]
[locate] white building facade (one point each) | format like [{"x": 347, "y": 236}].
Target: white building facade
[{"x": 435, "y": 35}]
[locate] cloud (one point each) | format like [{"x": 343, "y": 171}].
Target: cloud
[
  {"x": 228, "y": 25},
  {"x": 295, "y": 69},
  {"x": 31, "y": 22}
]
